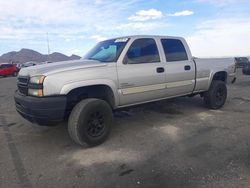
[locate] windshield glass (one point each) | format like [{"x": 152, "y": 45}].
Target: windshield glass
[{"x": 107, "y": 51}]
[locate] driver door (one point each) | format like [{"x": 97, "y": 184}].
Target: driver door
[{"x": 141, "y": 74}]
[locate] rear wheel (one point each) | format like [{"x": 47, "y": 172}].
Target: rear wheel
[
  {"x": 216, "y": 96},
  {"x": 90, "y": 122}
]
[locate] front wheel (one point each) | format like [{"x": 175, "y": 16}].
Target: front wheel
[
  {"x": 90, "y": 122},
  {"x": 216, "y": 96}
]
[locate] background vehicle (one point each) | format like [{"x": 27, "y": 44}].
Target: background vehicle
[
  {"x": 7, "y": 69},
  {"x": 118, "y": 73},
  {"x": 29, "y": 64},
  {"x": 246, "y": 69},
  {"x": 18, "y": 66},
  {"x": 241, "y": 61}
]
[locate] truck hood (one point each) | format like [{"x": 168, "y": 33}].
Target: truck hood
[{"x": 62, "y": 66}]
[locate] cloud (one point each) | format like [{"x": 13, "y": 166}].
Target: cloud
[
  {"x": 144, "y": 15},
  {"x": 59, "y": 16},
  {"x": 182, "y": 13},
  {"x": 140, "y": 26},
  {"x": 38, "y": 12},
  {"x": 26, "y": 21},
  {"x": 99, "y": 2},
  {"x": 98, "y": 38},
  {"x": 221, "y": 37},
  {"x": 221, "y": 3}
]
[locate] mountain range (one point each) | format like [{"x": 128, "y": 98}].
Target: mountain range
[{"x": 25, "y": 55}]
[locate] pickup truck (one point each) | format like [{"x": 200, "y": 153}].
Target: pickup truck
[{"x": 118, "y": 73}]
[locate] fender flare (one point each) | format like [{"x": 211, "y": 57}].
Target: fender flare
[{"x": 78, "y": 84}]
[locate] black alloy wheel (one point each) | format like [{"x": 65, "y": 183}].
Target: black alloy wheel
[{"x": 96, "y": 124}]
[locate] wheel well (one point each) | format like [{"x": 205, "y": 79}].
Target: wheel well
[
  {"x": 220, "y": 76},
  {"x": 103, "y": 92}
]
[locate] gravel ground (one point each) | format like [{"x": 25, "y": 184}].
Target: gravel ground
[{"x": 172, "y": 143}]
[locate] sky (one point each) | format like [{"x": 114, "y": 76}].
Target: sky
[{"x": 212, "y": 28}]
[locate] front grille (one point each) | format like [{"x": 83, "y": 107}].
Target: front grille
[{"x": 22, "y": 84}]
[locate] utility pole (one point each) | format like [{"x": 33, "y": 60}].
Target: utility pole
[{"x": 48, "y": 45}]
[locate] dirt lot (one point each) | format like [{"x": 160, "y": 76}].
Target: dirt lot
[{"x": 174, "y": 143}]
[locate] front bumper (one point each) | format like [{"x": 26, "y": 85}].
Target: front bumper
[{"x": 42, "y": 111}]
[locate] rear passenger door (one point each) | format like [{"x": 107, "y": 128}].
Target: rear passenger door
[
  {"x": 141, "y": 73},
  {"x": 179, "y": 67}
]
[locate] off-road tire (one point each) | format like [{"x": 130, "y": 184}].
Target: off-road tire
[
  {"x": 90, "y": 122},
  {"x": 216, "y": 96}
]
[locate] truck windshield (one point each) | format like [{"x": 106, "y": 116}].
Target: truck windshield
[{"x": 107, "y": 51}]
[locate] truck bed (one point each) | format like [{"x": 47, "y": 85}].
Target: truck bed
[{"x": 208, "y": 66}]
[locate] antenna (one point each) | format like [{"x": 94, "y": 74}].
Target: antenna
[{"x": 48, "y": 45}]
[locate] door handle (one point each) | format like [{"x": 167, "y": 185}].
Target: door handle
[
  {"x": 187, "y": 67},
  {"x": 160, "y": 69}
]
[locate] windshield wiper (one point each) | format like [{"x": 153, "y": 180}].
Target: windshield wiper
[
  {"x": 92, "y": 59},
  {"x": 103, "y": 61}
]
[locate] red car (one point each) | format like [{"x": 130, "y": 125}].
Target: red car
[{"x": 7, "y": 69}]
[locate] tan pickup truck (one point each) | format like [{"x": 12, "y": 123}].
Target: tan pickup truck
[{"x": 118, "y": 73}]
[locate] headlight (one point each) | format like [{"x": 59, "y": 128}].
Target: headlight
[
  {"x": 35, "y": 92},
  {"x": 36, "y": 86},
  {"x": 37, "y": 79}
]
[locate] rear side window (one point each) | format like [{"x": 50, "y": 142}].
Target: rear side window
[
  {"x": 142, "y": 51},
  {"x": 174, "y": 50}
]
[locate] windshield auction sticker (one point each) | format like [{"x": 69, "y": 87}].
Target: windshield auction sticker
[{"x": 121, "y": 40}]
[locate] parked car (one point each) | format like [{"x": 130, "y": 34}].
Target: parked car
[
  {"x": 246, "y": 69},
  {"x": 29, "y": 64},
  {"x": 18, "y": 66},
  {"x": 7, "y": 69},
  {"x": 241, "y": 61},
  {"x": 44, "y": 62},
  {"x": 118, "y": 73}
]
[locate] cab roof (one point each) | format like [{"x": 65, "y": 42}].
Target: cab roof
[{"x": 147, "y": 36}]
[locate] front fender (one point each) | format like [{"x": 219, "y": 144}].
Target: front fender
[{"x": 70, "y": 86}]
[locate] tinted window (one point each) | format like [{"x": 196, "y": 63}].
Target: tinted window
[
  {"x": 174, "y": 50},
  {"x": 5, "y": 66},
  {"x": 142, "y": 51},
  {"x": 107, "y": 51}
]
